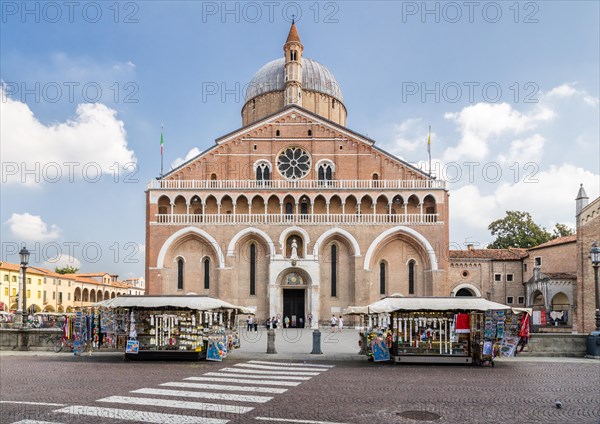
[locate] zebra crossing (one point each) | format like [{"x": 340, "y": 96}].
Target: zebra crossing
[{"x": 216, "y": 397}]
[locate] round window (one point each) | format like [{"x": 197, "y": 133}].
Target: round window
[
  {"x": 465, "y": 274},
  {"x": 293, "y": 163}
]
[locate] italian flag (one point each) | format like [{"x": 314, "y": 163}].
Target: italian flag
[{"x": 162, "y": 143}]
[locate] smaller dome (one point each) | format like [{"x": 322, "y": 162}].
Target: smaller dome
[{"x": 315, "y": 77}]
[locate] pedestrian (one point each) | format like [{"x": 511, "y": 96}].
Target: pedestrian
[
  {"x": 340, "y": 323},
  {"x": 309, "y": 318},
  {"x": 333, "y": 323},
  {"x": 286, "y": 322},
  {"x": 301, "y": 322},
  {"x": 249, "y": 323},
  {"x": 268, "y": 323}
]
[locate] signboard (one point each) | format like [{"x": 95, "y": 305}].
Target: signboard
[
  {"x": 133, "y": 346},
  {"x": 380, "y": 350}
]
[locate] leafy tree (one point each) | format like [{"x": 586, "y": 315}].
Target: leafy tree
[
  {"x": 66, "y": 270},
  {"x": 562, "y": 230},
  {"x": 517, "y": 229}
]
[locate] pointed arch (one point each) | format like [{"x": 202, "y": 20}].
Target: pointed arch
[
  {"x": 339, "y": 231},
  {"x": 401, "y": 230},
  {"x": 254, "y": 231},
  {"x": 289, "y": 230},
  {"x": 160, "y": 262}
]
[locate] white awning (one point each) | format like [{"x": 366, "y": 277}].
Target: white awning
[
  {"x": 391, "y": 304},
  {"x": 200, "y": 303}
]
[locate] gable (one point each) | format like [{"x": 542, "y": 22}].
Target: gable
[{"x": 354, "y": 156}]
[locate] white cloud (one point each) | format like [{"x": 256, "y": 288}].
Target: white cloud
[
  {"x": 483, "y": 123},
  {"x": 527, "y": 150},
  {"x": 28, "y": 227},
  {"x": 564, "y": 90},
  {"x": 62, "y": 261},
  {"x": 191, "y": 154},
  {"x": 548, "y": 195},
  {"x": 409, "y": 136},
  {"x": 568, "y": 90},
  {"x": 94, "y": 140}
]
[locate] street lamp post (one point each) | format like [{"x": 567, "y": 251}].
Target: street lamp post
[
  {"x": 593, "y": 340},
  {"x": 24, "y": 256}
]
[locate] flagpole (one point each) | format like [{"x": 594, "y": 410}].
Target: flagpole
[
  {"x": 429, "y": 149},
  {"x": 161, "y": 149}
]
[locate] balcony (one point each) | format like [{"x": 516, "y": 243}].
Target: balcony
[
  {"x": 297, "y": 184},
  {"x": 298, "y": 219}
]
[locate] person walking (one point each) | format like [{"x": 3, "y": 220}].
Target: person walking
[
  {"x": 340, "y": 324},
  {"x": 286, "y": 322},
  {"x": 249, "y": 323},
  {"x": 333, "y": 323},
  {"x": 309, "y": 319}
]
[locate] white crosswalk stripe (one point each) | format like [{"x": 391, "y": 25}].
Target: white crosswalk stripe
[
  {"x": 292, "y": 364},
  {"x": 265, "y": 372},
  {"x": 249, "y": 379},
  {"x": 204, "y": 395},
  {"x": 278, "y": 368},
  {"x": 265, "y": 377},
  {"x": 231, "y": 379},
  {"x": 132, "y": 415},
  {"x": 35, "y": 422},
  {"x": 225, "y": 387},
  {"x": 168, "y": 403}
]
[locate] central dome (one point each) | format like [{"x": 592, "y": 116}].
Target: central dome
[{"x": 315, "y": 77}]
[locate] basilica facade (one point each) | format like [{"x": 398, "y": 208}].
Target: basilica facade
[{"x": 294, "y": 213}]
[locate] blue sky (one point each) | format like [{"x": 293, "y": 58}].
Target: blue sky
[{"x": 536, "y": 122}]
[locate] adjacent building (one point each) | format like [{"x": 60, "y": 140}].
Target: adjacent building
[{"x": 48, "y": 291}]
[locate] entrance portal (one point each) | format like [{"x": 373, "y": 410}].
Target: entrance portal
[{"x": 293, "y": 306}]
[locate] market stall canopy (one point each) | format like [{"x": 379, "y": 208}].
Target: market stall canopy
[
  {"x": 522, "y": 310},
  {"x": 200, "y": 303},
  {"x": 356, "y": 310},
  {"x": 394, "y": 303}
]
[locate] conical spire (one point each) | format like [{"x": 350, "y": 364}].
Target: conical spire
[
  {"x": 581, "y": 194},
  {"x": 293, "y": 35}
]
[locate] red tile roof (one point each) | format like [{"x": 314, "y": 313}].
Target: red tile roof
[
  {"x": 556, "y": 241},
  {"x": 497, "y": 254}
]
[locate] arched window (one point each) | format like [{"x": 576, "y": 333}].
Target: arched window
[
  {"x": 253, "y": 104},
  {"x": 382, "y": 277},
  {"x": 252, "y": 269},
  {"x": 304, "y": 206},
  {"x": 288, "y": 208},
  {"x": 206, "y": 273},
  {"x": 263, "y": 171},
  {"x": 411, "y": 277},
  {"x": 333, "y": 270},
  {"x": 277, "y": 133},
  {"x": 180, "y": 274},
  {"x": 325, "y": 171},
  {"x": 310, "y": 133}
]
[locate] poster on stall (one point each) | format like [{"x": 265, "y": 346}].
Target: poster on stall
[
  {"x": 133, "y": 346},
  {"x": 508, "y": 346},
  {"x": 213, "y": 353},
  {"x": 78, "y": 346},
  {"x": 380, "y": 350}
]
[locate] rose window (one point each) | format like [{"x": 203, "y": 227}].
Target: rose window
[{"x": 293, "y": 163}]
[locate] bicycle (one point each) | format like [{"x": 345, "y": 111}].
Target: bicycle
[{"x": 61, "y": 342}]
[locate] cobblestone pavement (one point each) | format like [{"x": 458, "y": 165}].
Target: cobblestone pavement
[{"x": 104, "y": 388}]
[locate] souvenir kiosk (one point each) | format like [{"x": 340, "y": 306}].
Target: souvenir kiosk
[
  {"x": 188, "y": 327},
  {"x": 429, "y": 329}
]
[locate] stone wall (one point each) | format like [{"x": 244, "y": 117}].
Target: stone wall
[
  {"x": 37, "y": 338},
  {"x": 567, "y": 345}
]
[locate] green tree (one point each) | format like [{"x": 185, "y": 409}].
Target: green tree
[
  {"x": 562, "y": 230},
  {"x": 66, "y": 270},
  {"x": 517, "y": 229}
]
